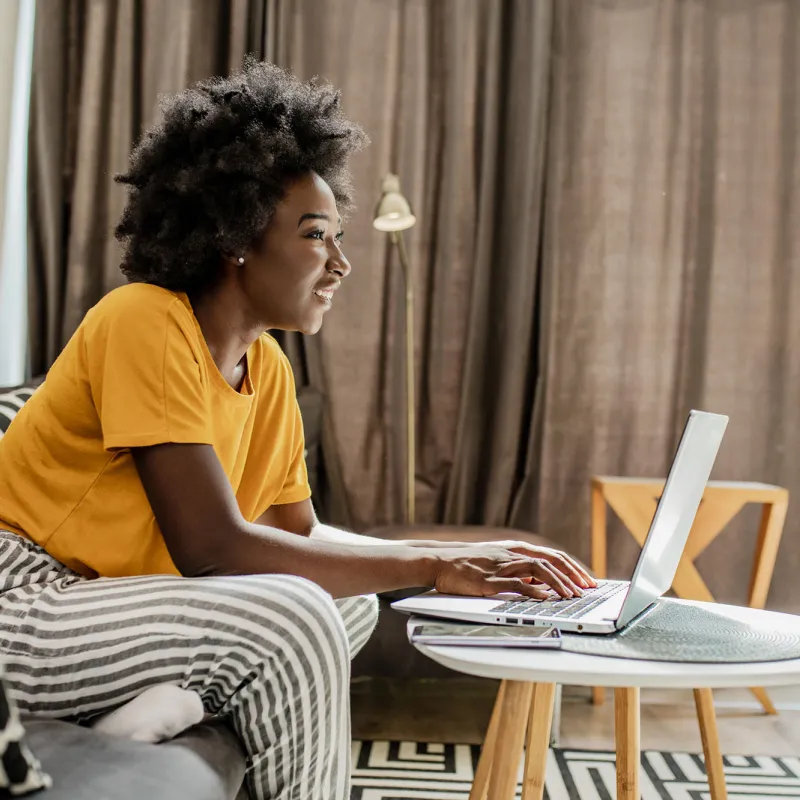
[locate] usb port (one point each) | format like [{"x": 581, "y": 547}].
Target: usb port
[{"x": 528, "y": 622}]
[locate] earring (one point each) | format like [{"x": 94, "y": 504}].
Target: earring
[{"x": 241, "y": 259}]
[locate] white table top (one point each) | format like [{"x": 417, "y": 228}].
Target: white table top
[{"x": 578, "y": 669}]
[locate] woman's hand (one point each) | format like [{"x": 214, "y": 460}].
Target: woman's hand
[
  {"x": 560, "y": 560},
  {"x": 486, "y": 569}
]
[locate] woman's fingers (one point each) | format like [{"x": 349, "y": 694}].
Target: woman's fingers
[
  {"x": 521, "y": 568},
  {"x": 563, "y": 561},
  {"x": 518, "y": 586},
  {"x": 565, "y": 565},
  {"x": 541, "y": 571},
  {"x": 552, "y": 576},
  {"x": 570, "y": 566}
]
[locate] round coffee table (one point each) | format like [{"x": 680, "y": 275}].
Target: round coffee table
[{"x": 525, "y": 702}]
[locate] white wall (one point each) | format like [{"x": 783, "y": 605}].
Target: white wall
[
  {"x": 9, "y": 16},
  {"x": 16, "y": 50}
]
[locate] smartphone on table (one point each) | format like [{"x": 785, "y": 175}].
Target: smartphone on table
[{"x": 469, "y": 634}]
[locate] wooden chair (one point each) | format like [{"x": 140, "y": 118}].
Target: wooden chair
[{"x": 634, "y": 502}]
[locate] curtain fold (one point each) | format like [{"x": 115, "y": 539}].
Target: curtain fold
[{"x": 501, "y": 363}]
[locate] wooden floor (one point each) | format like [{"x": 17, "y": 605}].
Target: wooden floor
[{"x": 457, "y": 710}]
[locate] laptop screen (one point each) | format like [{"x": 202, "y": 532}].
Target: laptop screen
[{"x": 675, "y": 513}]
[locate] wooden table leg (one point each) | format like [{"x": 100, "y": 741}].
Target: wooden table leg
[
  {"x": 599, "y": 559},
  {"x": 773, "y": 517},
  {"x": 514, "y": 713},
  {"x": 538, "y": 741},
  {"x": 766, "y": 701},
  {"x": 555, "y": 727},
  {"x": 626, "y": 724},
  {"x": 480, "y": 784},
  {"x": 704, "y": 700}
]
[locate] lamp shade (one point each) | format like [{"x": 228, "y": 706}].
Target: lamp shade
[{"x": 393, "y": 212}]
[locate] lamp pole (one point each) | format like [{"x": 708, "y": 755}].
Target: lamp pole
[
  {"x": 397, "y": 238},
  {"x": 393, "y": 215}
]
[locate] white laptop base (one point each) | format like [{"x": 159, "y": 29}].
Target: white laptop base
[
  {"x": 614, "y": 604},
  {"x": 513, "y": 609}
]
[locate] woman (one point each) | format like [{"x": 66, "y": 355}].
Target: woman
[{"x": 159, "y": 527}]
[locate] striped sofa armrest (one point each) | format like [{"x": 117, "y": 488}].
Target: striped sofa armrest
[
  {"x": 12, "y": 400},
  {"x": 20, "y": 771}
]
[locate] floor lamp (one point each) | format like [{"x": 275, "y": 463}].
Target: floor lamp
[{"x": 393, "y": 216}]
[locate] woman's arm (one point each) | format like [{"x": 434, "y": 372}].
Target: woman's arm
[
  {"x": 198, "y": 515},
  {"x": 206, "y": 534},
  {"x": 327, "y": 533},
  {"x": 301, "y": 518}
]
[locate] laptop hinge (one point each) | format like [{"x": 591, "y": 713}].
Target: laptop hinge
[{"x": 639, "y": 617}]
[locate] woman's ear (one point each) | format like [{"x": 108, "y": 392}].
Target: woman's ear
[{"x": 235, "y": 259}]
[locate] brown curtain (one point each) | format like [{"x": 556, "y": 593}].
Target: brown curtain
[
  {"x": 670, "y": 269},
  {"x": 454, "y": 96},
  {"x": 605, "y": 192}
]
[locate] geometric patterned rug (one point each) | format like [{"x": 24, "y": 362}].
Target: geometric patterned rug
[{"x": 417, "y": 771}]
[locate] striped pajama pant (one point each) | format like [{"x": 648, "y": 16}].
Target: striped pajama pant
[{"x": 271, "y": 652}]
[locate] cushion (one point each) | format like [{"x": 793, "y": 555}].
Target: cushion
[
  {"x": 12, "y": 400},
  {"x": 20, "y": 772}
]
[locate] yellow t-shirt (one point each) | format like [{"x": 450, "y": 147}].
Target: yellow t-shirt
[{"x": 136, "y": 373}]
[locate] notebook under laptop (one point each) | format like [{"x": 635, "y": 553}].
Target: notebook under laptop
[{"x": 614, "y": 604}]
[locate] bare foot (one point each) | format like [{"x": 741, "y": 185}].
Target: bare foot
[{"x": 157, "y": 714}]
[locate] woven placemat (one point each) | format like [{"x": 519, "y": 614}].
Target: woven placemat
[{"x": 678, "y": 632}]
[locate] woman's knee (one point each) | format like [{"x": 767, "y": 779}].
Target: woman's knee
[
  {"x": 360, "y": 616},
  {"x": 299, "y": 612}
]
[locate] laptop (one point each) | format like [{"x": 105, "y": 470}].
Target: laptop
[{"x": 613, "y": 605}]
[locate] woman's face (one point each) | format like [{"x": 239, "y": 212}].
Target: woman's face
[{"x": 291, "y": 276}]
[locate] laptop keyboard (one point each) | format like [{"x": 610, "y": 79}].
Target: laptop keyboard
[{"x": 571, "y": 608}]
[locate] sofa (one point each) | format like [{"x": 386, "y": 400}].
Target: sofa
[{"x": 204, "y": 763}]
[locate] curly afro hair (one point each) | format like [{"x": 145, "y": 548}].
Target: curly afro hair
[{"x": 205, "y": 181}]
